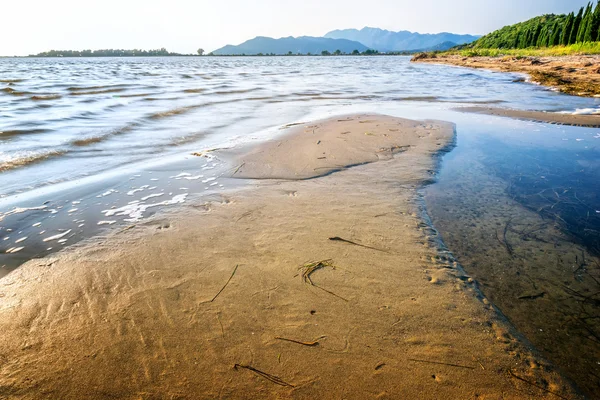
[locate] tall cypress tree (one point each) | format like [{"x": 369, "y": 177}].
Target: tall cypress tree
[
  {"x": 595, "y": 25},
  {"x": 585, "y": 21},
  {"x": 567, "y": 29},
  {"x": 576, "y": 25},
  {"x": 555, "y": 38}
]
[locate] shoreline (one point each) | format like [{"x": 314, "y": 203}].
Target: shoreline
[
  {"x": 211, "y": 300},
  {"x": 584, "y": 121},
  {"x": 575, "y": 75}
]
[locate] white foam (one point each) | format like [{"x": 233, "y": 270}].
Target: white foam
[
  {"x": 152, "y": 195},
  {"x": 19, "y": 210},
  {"x": 582, "y": 111},
  {"x": 21, "y": 240},
  {"x": 105, "y": 222},
  {"x": 193, "y": 178},
  {"x": 181, "y": 175},
  {"x": 14, "y": 250},
  {"x": 60, "y": 235},
  {"x": 36, "y": 224},
  {"x": 135, "y": 212},
  {"x": 209, "y": 179},
  {"x": 73, "y": 210},
  {"x": 140, "y": 189},
  {"x": 107, "y": 193}
]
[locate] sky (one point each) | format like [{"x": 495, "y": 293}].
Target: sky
[{"x": 33, "y": 26}]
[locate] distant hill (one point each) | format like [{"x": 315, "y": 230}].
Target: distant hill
[
  {"x": 440, "y": 47},
  {"x": 386, "y": 41},
  {"x": 547, "y": 30},
  {"x": 298, "y": 45}
]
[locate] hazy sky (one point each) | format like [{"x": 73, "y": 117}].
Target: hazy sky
[{"x": 32, "y": 26}]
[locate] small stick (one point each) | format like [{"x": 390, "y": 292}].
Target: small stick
[
  {"x": 440, "y": 363},
  {"x": 220, "y": 323},
  {"x": 310, "y": 344},
  {"x": 275, "y": 379},
  {"x": 537, "y": 386},
  {"x": 339, "y": 239},
  {"x": 226, "y": 283},
  {"x": 238, "y": 168}
]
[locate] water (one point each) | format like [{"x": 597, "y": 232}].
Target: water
[{"x": 87, "y": 144}]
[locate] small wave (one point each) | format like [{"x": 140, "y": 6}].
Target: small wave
[
  {"x": 17, "y": 132},
  {"x": 173, "y": 112},
  {"x": 136, "y": 95},
  {"x": 240, "y": 91},
  {"x": 90, "y": 88},
  {"x": 100, "y": 138},
  {"x": 582, "y": 111},
  {"x": 83, "y": 93},
  {"x": 199, "y": 90},
  {"x": 13, "y": 92},
  {"x": 41, "y": 97},
  {"x": 11, "y": 80},
  {"x": 21, "y": 159}
]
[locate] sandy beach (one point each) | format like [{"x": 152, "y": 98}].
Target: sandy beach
[
  {"x": 320, "y": 280},
  {"x": 587, "y": 121},
  {"x": 576, "y": 75}
]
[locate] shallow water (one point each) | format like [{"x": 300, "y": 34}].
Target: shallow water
[
  {"x": 518, "y": 204},
  {"x": 94, "y": 144}
]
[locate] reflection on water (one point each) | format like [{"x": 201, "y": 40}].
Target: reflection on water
[{"x": 517, "y": 204}]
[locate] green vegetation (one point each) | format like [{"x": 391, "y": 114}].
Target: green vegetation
[
  {"x": 547, "y": 31},
  {"x": 109, "y": 53},
  {"x": 554, "y": 51}
]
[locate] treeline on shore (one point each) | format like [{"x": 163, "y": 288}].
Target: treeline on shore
[
  {"x": 108, "y": 53},
  {"x": 546, "y": 31}
]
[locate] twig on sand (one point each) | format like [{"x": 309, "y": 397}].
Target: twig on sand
[
  {"x": 311, "y": 267},
  {"x": 238, "y": 168},
  {"x": 537, "y": 386},
  {"x": 339, "y": 239},
  {"x": 310, "y": 344},
  {"x": 441, "y": 363},
  {"x": 275, "y": 379},
  {"x": 504, "y": 241},
  {"x": 224, "y": 286}
]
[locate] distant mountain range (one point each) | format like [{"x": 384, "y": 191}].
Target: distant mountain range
[
  {"x": 347, "y": 41},
  {"x": 299, "y": 45},
  {"x": 386, "y": 41}
]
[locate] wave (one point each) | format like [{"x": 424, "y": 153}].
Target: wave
[
  {"x": 13, "y": 92},
  {"x": 11, "y": 80},
  {"x": 21, "y": 159},
  {"x": 104, "y": 91},
  {"x": 41, "y": 97},
  {"x": 199, "y": 90},
  {"x": 98, "y": 87},
  {"x": 86, "y": 141},
  {"x": 17, "y": 132}
]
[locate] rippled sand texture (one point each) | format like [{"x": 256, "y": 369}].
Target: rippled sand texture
[{"x": 221, "y": 301}]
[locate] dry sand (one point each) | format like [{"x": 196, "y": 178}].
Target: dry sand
[
  {"x": 589, "y": 121},
  {"x": 577, "y": 75},
  {"x": 169, "y": 308}
]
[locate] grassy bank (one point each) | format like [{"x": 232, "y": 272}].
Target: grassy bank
[{"x": 589, "y": 48}]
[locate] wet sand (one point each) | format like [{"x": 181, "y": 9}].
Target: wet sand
[
  {"x": 218, "y": 300},
  {"x": 576, "y": 75},
  {"x": 588, "y": 121}
]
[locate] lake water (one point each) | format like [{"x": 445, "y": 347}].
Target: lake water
[{"x": 87, "y": 144}]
